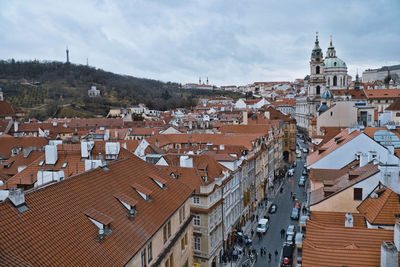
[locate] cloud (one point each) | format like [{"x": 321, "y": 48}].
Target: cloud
[{"x": 231, "y": 42}]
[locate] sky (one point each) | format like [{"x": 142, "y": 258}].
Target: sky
[{"x": 232, "y": 42}]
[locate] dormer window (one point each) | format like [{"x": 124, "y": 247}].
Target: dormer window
[
  {"x": 102, "y": 221},
  {"x": 41, "y": 163},
  {"x": 142, "y": 191},
  {"x": 128, "y": 203},
  {"x": 64, "y": 165}
]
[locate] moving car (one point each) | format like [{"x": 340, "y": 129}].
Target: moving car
[
  {"x": 305, "y": 172},
  {"x": 291, "y": 172},
  {"x": 305, "y": 150},
  {"x": 262, "y": 226},
  {"x": 295, "y": 214},
  {"x": 302, "y": 181},
  {"x": 298, "y": 155},
  {"x": 272, "y": 208}
]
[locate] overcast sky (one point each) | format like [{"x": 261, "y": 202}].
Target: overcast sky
[{"x": 231, "y": 42}]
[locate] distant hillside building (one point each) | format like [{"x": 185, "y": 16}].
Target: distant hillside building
[
  {"x": 385, "y": 73},
  {"x": 94, "y": 92}
]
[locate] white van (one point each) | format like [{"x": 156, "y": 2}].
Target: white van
[{"x": 262, "y": 226}]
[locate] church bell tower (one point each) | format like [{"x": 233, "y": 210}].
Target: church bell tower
[{"x": 317, "y": 79}]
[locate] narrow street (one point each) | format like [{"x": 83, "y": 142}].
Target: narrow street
[{"x": 281, "y": 219}]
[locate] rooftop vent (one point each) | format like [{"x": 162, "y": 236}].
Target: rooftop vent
[
  {"x": 142, "y": 191},
  {"x": 349, "y": 220},
  {"x": 100, "y": 220},
  {"x": 159, "y": 181},
  {"x": 128, "y": 203}
]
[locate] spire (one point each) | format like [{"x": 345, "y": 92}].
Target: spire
[
  {"x": 330, "y": 41},
  {"x": 316, "y": 52},
  {"x": 207, "y": 80},
  {"x": 316, "y": 38},
  {"x": 199, "y": 80},
  {"x": 67, "y": 51}
]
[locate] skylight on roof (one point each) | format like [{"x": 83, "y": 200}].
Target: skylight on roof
[
  {"x": 41, "y": 163},
  {"x": 64, "y": 165}
]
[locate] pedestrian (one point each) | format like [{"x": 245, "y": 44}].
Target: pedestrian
[
  {"x": 261, "y": 251},
  {"x": 269, "y": 257},
  {"x": 252, "y": 232},
  {"x": 291, "y": 194},
  {"x": 257, "y": 217},
  {"x": 283, "y": 233},
  {"x": 276, "y": 253}
]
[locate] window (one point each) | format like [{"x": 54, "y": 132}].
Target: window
[
  {"x": 167, "y": 231},
  {"x": 170, "y": 261},
  {"x": 331, "y": 113},
  {"x": 369, "y": 117},
  {"x": 196, "y": 200},
  {"x": 197, "y": 243},
  {"x": 182, "y": 214},
  {"x": 357, "y": 193},
  {"x": 317, "y": 70},
  {"x": 334, "y": 81},
  {"x": 149, "y": 252},
  {"x": 397, "y": 114},
  {"x": 143, "y": 258},
  {"x": 197, "y": 220},
  {"x": 318, "y": 90}
]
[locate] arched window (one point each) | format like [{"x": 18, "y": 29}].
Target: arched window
[
  {"x": 317, "y": 70},
  {"x": 334, "y": 64},
  {"x": 329, "y": 81},
  {"x": 397, "y": 114},
  {"x": 334, "y": 81},
  {"x": 318, "y": 90}
]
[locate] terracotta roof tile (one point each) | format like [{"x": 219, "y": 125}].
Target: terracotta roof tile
[
  {"x": 381, "y": 206},
  {"x": 336, "y": 245},
  {"x": 55, "y": 230}
]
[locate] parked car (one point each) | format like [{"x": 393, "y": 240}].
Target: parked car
[
  {"x": 295, "y": 214},
  {"x": 304, "y": 172},
  {"x": 297, "y": 151},
  {"x": 305, "y": 165},
  {"x": 291, "y": 230},
  {"x": 298, "y": 155},
  {"x": 272, "y": 209},
  {"x": 294, "y": 164},
  {"x": 291, "y": 172},
  {"x": 262, "y": 226},
  {"x": 305, "y": 150},
  {"x": 289, "y": 240},
  {"x": 287, "y": 256},
  {"x": 302, "y": 181}
]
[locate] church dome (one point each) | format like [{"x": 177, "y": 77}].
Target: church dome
[
  {"x": 334, "y": 62},
  {"x": 327, "y": 94},
  {"x": 324, "y": 107}
]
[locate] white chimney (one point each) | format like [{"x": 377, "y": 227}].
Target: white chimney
[
  {"x": 186, "y": 161},
  {"x": 51, "y": 154},
  {"x": 266, "y": 114},
  {"x": 397, "y": 235},
  {"x": 363, "y": 159},
  {"x": 389, "y": 255},
  {"x": 106, "y": 135},
  {"x": 15, "y": 126},
  {"x": 86, "y": 147},
  {"x": 349, "y": 220},
  {"x": 16, "y": 197}
]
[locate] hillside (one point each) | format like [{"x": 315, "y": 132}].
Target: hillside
[{"x": 47, "y": 89}]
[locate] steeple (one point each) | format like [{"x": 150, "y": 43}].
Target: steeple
[
  {"x": 316, "y": 52},
  {"x": 331, "y": 50},
  {"x": 67, "y": 51},
  {"x": 357, "y": 82},
  {"x": 199, "y": 80},
  {"x": 207, "y": 80}
]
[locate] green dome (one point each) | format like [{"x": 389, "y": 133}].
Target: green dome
[
  {"x": 327, "y": 94},
  {"x": 334, "y": 62}
]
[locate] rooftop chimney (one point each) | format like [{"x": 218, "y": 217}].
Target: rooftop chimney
[
  {"x": 363, "y": 159},
  {"x": 349, "y": 220},
  {"x": 51, "y": 154},
  {"x": 16, "y": 197},
  {"x": 389, "y": 255},
  {"x": 244, "y": 117},
  {"x": 186, "y": 161},
  {"x": 15, "y": 126},
  {"x": 397, "y": 235}
]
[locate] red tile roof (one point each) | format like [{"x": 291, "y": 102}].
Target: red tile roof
[
  {"x": 6, "y": 110},
  {"x": 382, "y": 93},
  {"x": 381, "y": 207},
  {"x": 336, "y": 245},
  {"x": 55, "y": 230},
  {"x": 7, "y": 143}
]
